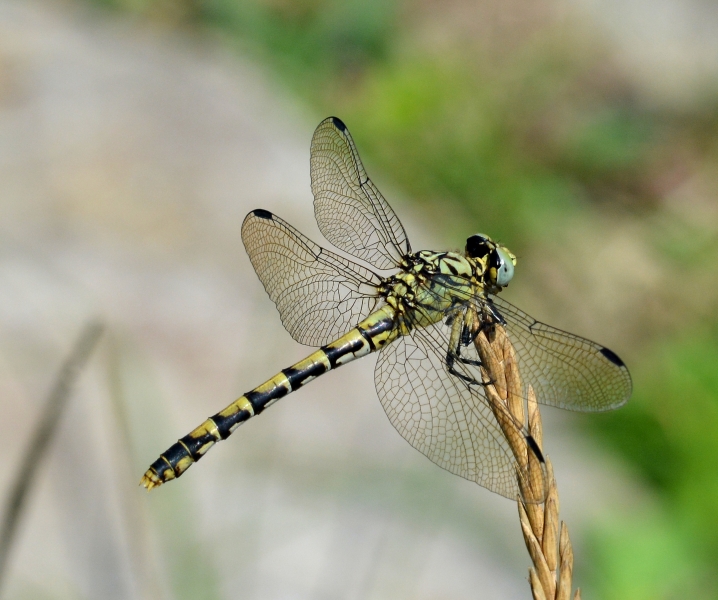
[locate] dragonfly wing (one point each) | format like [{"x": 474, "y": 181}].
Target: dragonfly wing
[
  {"x": 351, "y": 212},
  {"x": 441, "y": 415},
  {"x": 319, "y": 295},
  {"x": 565, "y": 370}
]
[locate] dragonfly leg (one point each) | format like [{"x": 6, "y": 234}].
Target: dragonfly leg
[
  {"x": 452, "y": 357},
  {"x": 461, "y": 335},
  {"x": 469, "y": 334},
  {"x": 468, "y": 361},
  {"x": 467, "y": 338}
]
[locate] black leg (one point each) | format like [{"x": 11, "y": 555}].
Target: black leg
[
  {"x": 466, "y": 339},
  {"x": 451, "y": 358}
]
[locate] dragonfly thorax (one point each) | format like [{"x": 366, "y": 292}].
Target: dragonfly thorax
[
  {"x": 446, "y": 263},
  {"x": 428, "y": 286}
]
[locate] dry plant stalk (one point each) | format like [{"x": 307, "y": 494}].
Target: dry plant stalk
[
  {"x": 548, "y": 544},
  {"x": 39, "y": 443}
]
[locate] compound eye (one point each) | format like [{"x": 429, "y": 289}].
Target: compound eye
[
  {"x": 504, "y": 267},
  {"x": 478, "y": 246}
]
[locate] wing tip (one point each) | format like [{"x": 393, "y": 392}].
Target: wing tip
[
  {"x": 262, "y": 214},
  {"x": 612, "y": 357},
  {"x": 339, "y": 124}
]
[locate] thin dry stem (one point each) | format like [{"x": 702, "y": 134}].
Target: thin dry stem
[
  {"x": 548, "y": 544},
  {"x": 39, "y": 442},
  {"x": 496, "y": 390}
]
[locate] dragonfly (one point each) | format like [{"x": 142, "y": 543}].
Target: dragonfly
[{"x": 420, "y": 311}]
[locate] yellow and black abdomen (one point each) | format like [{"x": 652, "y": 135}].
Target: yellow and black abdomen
[{"x": 368, "y": 336}]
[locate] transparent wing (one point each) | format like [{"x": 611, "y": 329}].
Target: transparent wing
[
  {"x": 565, "y": 370},
  {"x": 319, "y": 295},
  {"x": 441, "y": 415},
  {"x": 351, "y": 213}
]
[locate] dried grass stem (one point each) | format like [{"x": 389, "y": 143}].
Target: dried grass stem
[{"x": 548, "y": 544}]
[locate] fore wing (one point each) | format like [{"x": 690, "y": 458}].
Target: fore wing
[
  {"x": 319, "y": 295},
  {"x": 565, "y": 370},
  {"x": 351, "y": 212}
]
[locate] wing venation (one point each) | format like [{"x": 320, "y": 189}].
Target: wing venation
[
  {"x": 319, "y": 295},
  {"x": 566, "y": 370},
  {"x": 351, "y": 212},
  {"x": 442, "y": 416}
]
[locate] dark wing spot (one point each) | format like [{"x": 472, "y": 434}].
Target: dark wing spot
[
  {"x": 339, "y": 124},
  {"x": 613, "y": 357},
  {"x": 262, "y": 214},
  {"x": 534, "y": 448}
]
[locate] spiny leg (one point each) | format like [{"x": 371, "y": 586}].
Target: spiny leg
[{"x": 461, "y": 335}]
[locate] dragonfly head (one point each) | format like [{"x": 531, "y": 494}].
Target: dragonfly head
[{"x": 496, "y": 262}]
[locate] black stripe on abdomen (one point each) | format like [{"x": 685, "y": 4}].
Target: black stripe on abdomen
[
  {"x": 172, "y": 455},
  {"x": 260, "y": 400},
  {"x": 298, "y": 377},
  {"x": 334, "y": 354},
  {"x": 375, "y": 330},
  {"x": 225, "y": 424}
]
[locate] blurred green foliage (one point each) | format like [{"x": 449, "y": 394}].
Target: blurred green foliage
[
  {"x": 515, "y": 136},
  {"x": 311, "y": 40},
  {"x": 511, "y": 144},
  {"x": 451, "y": 137},
  {"x": 646, "y": 558},
  {"x": 668, "y": 431}
]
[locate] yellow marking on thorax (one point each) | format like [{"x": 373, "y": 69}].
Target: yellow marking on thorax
[{"x": 461, "y": 266}]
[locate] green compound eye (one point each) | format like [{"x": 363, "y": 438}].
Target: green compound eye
[{"x": 505, "y": 268}]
